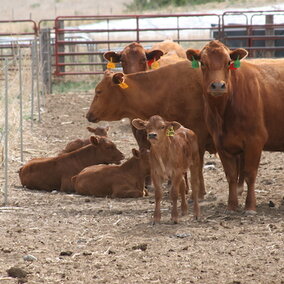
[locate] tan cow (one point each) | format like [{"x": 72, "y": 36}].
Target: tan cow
[
  {"x": 174, "y": 150},
  {"x": 168, "y": 46},
  {"x": 55, "y": 173},
  {"x": 123, "y": 181},
  {"x": 244, "y": 106},
  {"x": 164, "y": 92},
  {"x": 78, "y": 143}
]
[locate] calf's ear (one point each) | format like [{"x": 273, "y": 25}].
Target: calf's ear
[
  {"x": 94, "y": 140},
  {"x": 118, "y": 78},
  {"x": 139, "y": 123},
  {"x": 154, "y": 54},
  {"x": 136, "y": 153},
  {"x": 174, "y": 124},
  {"x": 193, "y": 54},
  {"x": 91, "y": 129},
  {"x": 239, "y": 53},
  {"x": 112, "y": 56}
]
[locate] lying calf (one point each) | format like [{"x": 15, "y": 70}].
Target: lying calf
[
  {"x": 78, "y": 143},
  {"x": 126, "y": 180},
  {"x": 174, "y": 150},
  {"x": 55, "y": 173}
]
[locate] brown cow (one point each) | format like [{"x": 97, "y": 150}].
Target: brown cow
[
  {"x": 55, "y": 173},
  {"x": 167, "y": 46},
  {"x": 124, "y": 181},
  {"x": 164, "y": 92},
  {"x": 78, "y": 143},
  {"x": 243, "y": 110},
  {"x": 174, "y": 150}
]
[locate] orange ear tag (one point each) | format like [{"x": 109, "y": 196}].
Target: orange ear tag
[
  {"x": 110, "y": 64},
  {"x": 155, "y": 65},
  {"x": 123, "y": 85}
]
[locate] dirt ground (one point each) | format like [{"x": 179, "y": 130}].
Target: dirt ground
[{"x": 61, "y": 238}]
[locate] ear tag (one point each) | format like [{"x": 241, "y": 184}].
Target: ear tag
[
  {"x": 232, "y": 66},
  {"x": 237, "y": 63},
  {"x": 110, "y": 64},
  {"x": 150, "y": 62},
  {"x": 155, "y": 65},
  {"x": 170, "y": 131},
  {"x": 194, "y": 63},
  {"x": 123, "y": 85}
]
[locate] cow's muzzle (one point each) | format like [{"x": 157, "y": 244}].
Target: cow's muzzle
[
  {"x": 91, "y": 117},
  {"x": 218, "y": 87},
  {"x": 152, "y": 136}
]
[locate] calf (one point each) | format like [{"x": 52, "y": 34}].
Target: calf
[
  {"x": 174, "y": 150},
  {"x": 78, "y": 143},
  {"x": 124, "y": 181},
  {"x": 55, "y": 173}
]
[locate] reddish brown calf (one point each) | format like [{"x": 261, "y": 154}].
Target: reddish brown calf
[
  {"x": 55, "y": 173},
  {"x": 174, "y": 150},
  {"x": 124, "y": 181}
]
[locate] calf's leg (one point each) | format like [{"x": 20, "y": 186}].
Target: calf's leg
[{"x": 157, "y": 181}]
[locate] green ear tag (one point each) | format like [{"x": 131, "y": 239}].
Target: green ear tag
[
  {"x": 194, "y": 63},
  {"x": 237, "y": 63},
  {"x": 170, "y": 131}
]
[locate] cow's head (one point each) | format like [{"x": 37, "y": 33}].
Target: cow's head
[
  {"x": 216, "y": 62},
  {"x": 106, "y": 150},
  {"x": 157, "y": 128},
  {"x": 108, "y": 98},
  {"x": 133, "y": 57}
]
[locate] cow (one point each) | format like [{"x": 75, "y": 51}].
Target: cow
[
  {"x": 78, "y": 143},
  {"x": 55, "y": 173},
  {"x": 244, "y": 106},
  {"x": 122, "y": 181},
  {"x": 167, "y": 46},
  {"x": 174, "y": 150},
  {"x": 163, "y": 91}
]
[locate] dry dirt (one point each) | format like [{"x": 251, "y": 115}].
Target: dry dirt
[{"x": 61, "y": 238}]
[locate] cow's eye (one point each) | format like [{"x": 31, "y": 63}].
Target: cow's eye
[{"x": 163, "y": 127}]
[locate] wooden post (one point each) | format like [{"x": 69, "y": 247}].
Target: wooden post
[
  {"x": 45, "y": 59},
  {"x": 269, "y": 32}
]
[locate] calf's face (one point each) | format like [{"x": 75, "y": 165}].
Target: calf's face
[
  {"x": 106, "y": 150},
  {"x": 157, "y": 128}
]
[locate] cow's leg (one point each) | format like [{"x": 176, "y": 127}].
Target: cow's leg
[
  {"x": 251, "y": 163},
  {"x": 66, "y": 185},
  {"x": 230, "y": 165},
  {"x": 241, "y": 174},
  {"x": 202, "y": 191},
  {"x": 183, "y": 191},
  {"x": 195, "y": 187},
  {"x": 175, "y": 190},
  {"x": 157, "y": 181}
]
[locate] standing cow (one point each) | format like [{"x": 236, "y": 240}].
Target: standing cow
[
  {"x": 244, "y": 106},
  {"x": 174, "y": 150},
  {"x": 164, "y": 92}
]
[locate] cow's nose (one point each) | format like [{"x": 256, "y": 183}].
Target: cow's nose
[
  {"x": 152, "y": 135},
  {"x": 218, "y": 86},
  {"x": 90, "y": 117}
]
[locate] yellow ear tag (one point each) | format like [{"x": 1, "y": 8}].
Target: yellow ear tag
[
  {"x": 170, "y": 131},
  {"x": 110, "y": 64},
  {"x": 123, "y": 85},
  {"x": 155, "y": 65}
]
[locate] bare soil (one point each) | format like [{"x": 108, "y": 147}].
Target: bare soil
[{"x": 66, "y": 238}]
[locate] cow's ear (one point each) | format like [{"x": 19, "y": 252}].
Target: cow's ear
[
  {"x": 174, "y": 124},
  {"x": 94, "y": 140},
  {"x": 112, "y": 56},
  {"x": 136, "y": 153},
  {"x": 91, "y": 129},
  {"x": 154, "y": 54},
  {"x": 239, "y": 53},
  {"x": 193, "y": 54},
  {"x": 139, "y": 123},
  {"x": 118, "y": 78}
]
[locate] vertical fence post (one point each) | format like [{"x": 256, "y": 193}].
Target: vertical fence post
[
  {"x": 21, "y": 103},
  {"x": 36, "y": 61},
  {"x": 61, "y": 47},
  {"x": 269, "y": 32},
  {"x": 32, "y": 85},
  {"x": 45, "y": 56},
  {"x": 6, "y": 135}
]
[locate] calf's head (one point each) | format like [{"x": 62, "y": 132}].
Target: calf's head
[
  {"x": 106, "y": 150},
  {"x": 217, "y": 61},
  {"x": 157, "y": 128},
  {"x": 100, "y": 131},
  {"x": 133, "y": 57},
  {"x": 142, "y": 157}
]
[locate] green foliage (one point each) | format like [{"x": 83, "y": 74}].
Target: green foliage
[
  {"x": 35, "y": 5},
  {"x": 73, "y": 86},
  {"x": 155, "y": 4}
]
